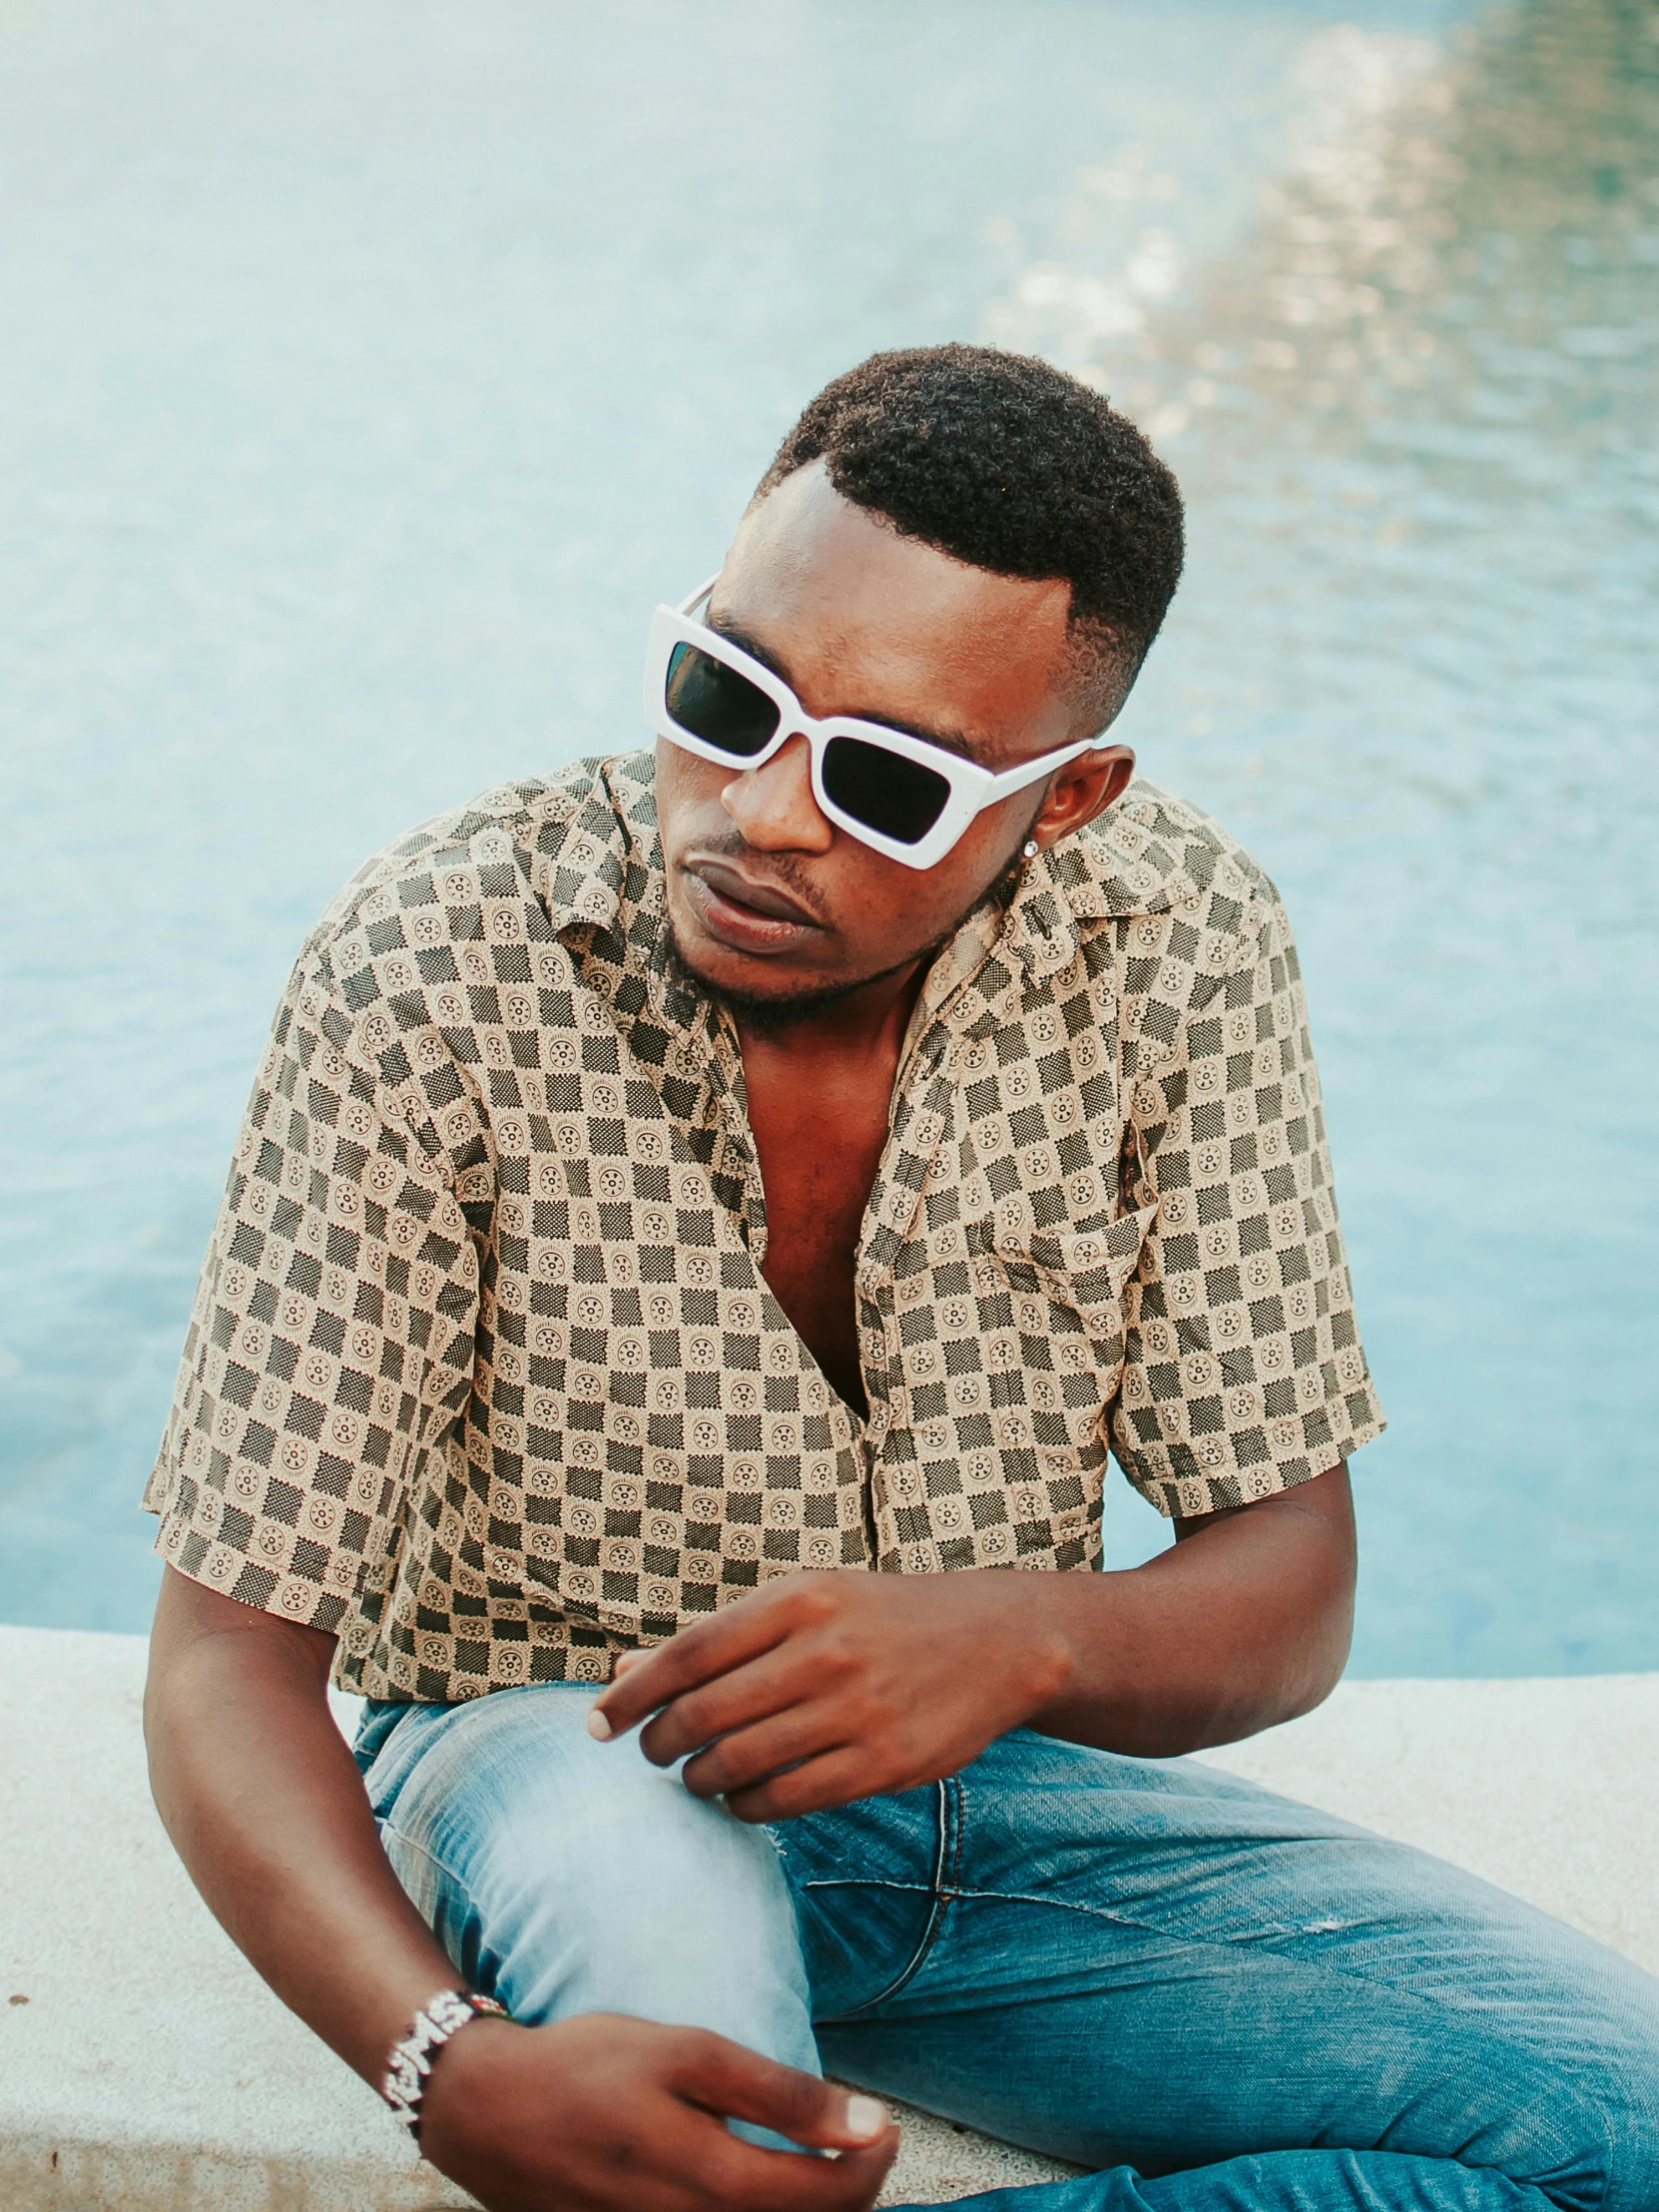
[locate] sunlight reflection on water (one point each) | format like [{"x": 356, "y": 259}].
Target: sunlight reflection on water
[{"x": 1413, "y": 405}]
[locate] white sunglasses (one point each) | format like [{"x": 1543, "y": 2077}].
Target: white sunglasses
[{"x": 897, "y": 793}]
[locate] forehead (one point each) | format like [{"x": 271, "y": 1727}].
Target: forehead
[{"x": 862, "y": 621}]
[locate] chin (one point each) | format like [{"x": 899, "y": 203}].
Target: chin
[
  {"x": 767, "y": 996},
  {"x": 722, "y": 968}
]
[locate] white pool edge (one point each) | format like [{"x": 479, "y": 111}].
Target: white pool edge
[{"x": 151, "y": 2072}]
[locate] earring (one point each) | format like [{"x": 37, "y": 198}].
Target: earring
[{"x": 1032, "y": 848}]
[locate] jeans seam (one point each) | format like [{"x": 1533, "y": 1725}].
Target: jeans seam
[
  {"x": 863, "y": 1881},
  {"x": 391, "y": 1828},
  {"x": 958, "y": 1827},
  {"x": 930, "y": 1934}
]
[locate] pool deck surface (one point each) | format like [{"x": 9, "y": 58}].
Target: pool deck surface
[{"x": 143, "y": 2066}]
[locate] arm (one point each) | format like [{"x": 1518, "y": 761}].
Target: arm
[
  {"x": 858, "y": 1683},
  {"x": 1245, "y": 1622},
  {"x": 265, "y": 1806}
]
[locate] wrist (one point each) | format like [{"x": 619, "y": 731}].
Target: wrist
[
  {"x": 1052, "y": 1666},
  {"x": 461, "y": 2112},
  {"x": 411, "y": 2063},
  {"x": 1040, "y": 1654}
]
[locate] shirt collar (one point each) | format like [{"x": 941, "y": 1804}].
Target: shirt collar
[{"x": 1131, "y": 861}]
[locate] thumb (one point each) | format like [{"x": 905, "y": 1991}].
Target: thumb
[{"x": 741, "y": 2085}]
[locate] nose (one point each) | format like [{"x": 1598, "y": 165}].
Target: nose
[{"x": 772, "y": 806}]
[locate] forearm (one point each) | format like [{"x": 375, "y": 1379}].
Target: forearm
[
  {"x": 1243, "y": 1624},
  {"x": 265, "y": 1806}
]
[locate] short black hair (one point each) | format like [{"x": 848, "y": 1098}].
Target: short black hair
[{"x": 1009, "y": 464}]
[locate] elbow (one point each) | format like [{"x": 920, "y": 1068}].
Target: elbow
[
  {"x": 1314, "y": 1650},
  {"x": 1312, "y": 1690},
  {"x": 1320, "y": 1665},
  {"x": 1294, "y": 1679}
]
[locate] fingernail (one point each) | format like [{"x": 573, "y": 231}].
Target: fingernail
[
  {"x": 598, "y": 1728},
  {"x": 866, "y": 2118},
  {"x": 626, "y": 1659}
]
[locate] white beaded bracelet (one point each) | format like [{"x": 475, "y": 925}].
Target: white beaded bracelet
[{"x": 410, "y": 2061}]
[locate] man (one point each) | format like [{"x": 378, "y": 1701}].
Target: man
[{"x": 677, "y": 1189}]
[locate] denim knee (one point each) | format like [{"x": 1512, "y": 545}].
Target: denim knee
[{"x": 567, "y": 1875}]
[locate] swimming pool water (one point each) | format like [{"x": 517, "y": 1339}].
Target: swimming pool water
[{"x": 371, "y": 372}]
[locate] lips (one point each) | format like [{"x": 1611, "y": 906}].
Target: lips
[
  {"x": 759, "y": 899},
  {"x": 754, "y": 918}
]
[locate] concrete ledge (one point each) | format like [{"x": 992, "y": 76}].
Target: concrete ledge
[{"x": 151, "y": 2072}]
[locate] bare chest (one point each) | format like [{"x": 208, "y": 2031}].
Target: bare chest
[{"x": 819, "y": 1145}]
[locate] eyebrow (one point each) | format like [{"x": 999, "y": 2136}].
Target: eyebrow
[{"x": 947, "y": 741}]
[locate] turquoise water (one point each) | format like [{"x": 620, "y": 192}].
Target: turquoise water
[{"x": 370, "y": 370}]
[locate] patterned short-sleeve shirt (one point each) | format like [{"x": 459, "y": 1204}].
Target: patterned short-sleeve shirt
[{"x": 484, "y": 1377}]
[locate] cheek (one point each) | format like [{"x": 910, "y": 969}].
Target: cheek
[
  {"x": 687, "y": 795},
  {"x": 988, "y": 845},
  {"x": 892, "y": 908},
  {"x": 675, "y": 777}
]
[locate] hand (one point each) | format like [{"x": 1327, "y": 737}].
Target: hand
[
  {"x": 606, "y": 2114},
  {"x": 824, "y": 1688}
]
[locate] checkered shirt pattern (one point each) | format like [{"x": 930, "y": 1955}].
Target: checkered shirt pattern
[{"x": 483, "y": 1376}]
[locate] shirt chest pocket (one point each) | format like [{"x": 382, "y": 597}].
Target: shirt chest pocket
[{"x": 1065, "y": 1303}]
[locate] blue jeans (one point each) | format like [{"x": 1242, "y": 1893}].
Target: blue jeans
[{"x": 1219, "y": 2000}]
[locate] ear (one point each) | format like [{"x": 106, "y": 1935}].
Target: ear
[{"x": 1082, "y": 790}]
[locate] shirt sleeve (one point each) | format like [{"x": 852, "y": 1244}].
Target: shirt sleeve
[
  {"x": 331, "y": 1340},
  {"x": 1244, "y": 1373}
]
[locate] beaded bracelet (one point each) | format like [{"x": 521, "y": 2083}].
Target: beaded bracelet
[{"x": 410, "y": 2061}]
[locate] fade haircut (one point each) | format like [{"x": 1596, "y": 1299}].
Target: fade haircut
[{"x": 1008, "y": 464}]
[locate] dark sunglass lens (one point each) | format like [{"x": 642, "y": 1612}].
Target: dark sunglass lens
[
  {"x": 885, "y": 791},
  {"x": 709, "y": 701}
]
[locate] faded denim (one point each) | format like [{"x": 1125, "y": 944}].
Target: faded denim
[{"x": 1221, "y": 1999}]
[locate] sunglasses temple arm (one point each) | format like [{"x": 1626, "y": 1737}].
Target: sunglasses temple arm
[
  {"x": 1030, "y": 771},
  {"x": 696, "y": 598}
]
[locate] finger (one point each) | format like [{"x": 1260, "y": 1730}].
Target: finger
[
  {"x": 852, "y": 2182},
  {"x": 694, "y": 1656},
  {"x": 740, "y": 2085},
  {"x": 774, "y": 1682},
  {"x": 687, "y": 2159},
  {"x": 730, "y": 2175},
  {"x": 741, "y": 2177},
  {"x": 838, "y": 1777},
  {"x": 750, "y": 1755}
]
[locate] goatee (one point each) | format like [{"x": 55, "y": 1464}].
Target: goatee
[
  {"x": 765, "y": 1015},
  {"x": 769, "y": 1015}
]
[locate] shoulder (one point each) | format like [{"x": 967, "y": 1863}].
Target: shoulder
[
  {"x": 562, "y": 849},
  {"x": 1157, "y": 861},
  {"x": 1170, "y": 913},
  {"x": 452, "y": 938},
  {"x": 1154, "y": 852}
]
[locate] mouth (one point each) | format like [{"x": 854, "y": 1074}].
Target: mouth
[{"x": 743, "y": 915}]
